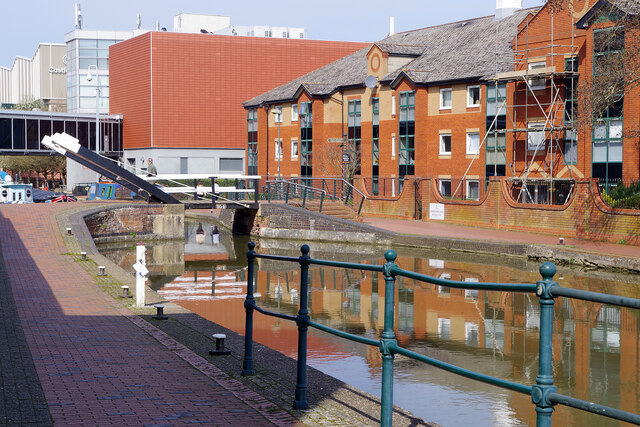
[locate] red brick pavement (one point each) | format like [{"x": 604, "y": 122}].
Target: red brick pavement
[{"x": 95, "y": 365}]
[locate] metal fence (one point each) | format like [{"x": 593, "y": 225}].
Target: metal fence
[{"x": 544, "y": 395}]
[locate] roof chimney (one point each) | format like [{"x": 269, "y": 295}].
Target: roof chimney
[
  {"x": 392, "y": 30},
  {"x": 506, "y": 8}
]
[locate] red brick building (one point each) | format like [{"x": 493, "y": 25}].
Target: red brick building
[
  {"x": 180, "y": 94},
  {"x": 457, "y": 102}
]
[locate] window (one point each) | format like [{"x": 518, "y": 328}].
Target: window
[
  {"x": 445, "y": 99},
  {"x": 278, "y": 153},
  {"x": 444, "y": 328},
  {"x": 285, "y": 35},
  {"x": 445, "y": 187},
  {"x": 473, "y": 96},
  {"x": 354, "y": 133},
  {"x": 406, "y": 150},
  {"x": 473, "y": 189},
  {"x": 277, "y": 117},
  {"x": 496, "y": 122},
  {"x": 537, "y": 84},
  {"x": 445, "y": 143},
  {"x": 393, "y": 105},
  {"x": 473, "y": 143},
  {"x": 393, "y": 145},
  {"x": 294, "y": 112},
  {"x": 536, "y": 136},
  {"x": 294, "y": 148},
  {"x": 252, "y": 141},
  {"x": 570, "y": 147},
  {"x": 375, "y": 144},
  {"x": 306, "y": 139},
  {"x": 230, "y": 165}
]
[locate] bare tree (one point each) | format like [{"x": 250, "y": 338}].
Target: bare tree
[
  {"x": 338, "y": 160},
  {"x": 616, "y": 67}
]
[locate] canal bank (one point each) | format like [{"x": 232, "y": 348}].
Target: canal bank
[
  {"x": 189, "y": 337},
  {"x": 278, "y": 220}
]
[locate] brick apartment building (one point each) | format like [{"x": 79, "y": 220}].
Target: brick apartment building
[
  {"x": 458, "y": 102},
  {"x": 180, "y": 94}
]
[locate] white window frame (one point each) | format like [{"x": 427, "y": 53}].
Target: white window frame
[
  {"x": 442, "y": 147},
  {"x": 470, "y": 99},
  {"x": 393, "y": 145},
  {"x": 393, "y": 105},
  {"x": 474, "y": 181},
  {"x": 294, "y": 143},
  {"x": 532, "y": 136},
  {"x": 441, "y": 188},
  {"x": 442, "y": 92},
  {"x": 469, "y": 149},
  {"x": 278, "y": 149},
  {"x": 277, "y": 118},
  {"x": 294, "y": 112},
  {"x": 537, "y": 84}
]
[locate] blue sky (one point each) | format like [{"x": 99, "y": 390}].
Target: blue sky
[{"x": 29, "y": 22}]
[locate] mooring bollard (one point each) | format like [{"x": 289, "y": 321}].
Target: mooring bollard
[
  {"x": 69, "y": 233},
  {"x": 101, "y": 268},
  {"x": 125, "y": 292},
  {"x": 219, "y": 351},
  {"x": 159, "y": 312},
  {"x": 83, "y": 256}
]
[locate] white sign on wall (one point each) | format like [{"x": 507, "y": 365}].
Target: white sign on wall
[{"x": 436, "y": 211}]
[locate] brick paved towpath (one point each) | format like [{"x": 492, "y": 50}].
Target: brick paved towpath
[{"x": 72, "y": 356}]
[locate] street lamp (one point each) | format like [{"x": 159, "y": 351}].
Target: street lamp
[
  {"x": 277, "y": 112},
  {"x": 89, "y": 78}
]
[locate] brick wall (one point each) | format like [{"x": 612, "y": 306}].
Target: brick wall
[
  {"x": 584, "y": 216},
  {"x": 144, "y": 221}
]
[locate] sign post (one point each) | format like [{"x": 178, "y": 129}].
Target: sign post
[{"x": 141, "y": 273}]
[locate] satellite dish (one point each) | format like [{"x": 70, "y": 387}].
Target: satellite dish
[{"x": 371, "y": 82}]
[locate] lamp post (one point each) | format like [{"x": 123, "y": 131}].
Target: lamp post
[
  {"x": 277, "y": 112},
  {"x": 89, "y": 78}
]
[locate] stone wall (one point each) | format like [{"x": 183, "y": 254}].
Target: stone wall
[{"x": 136, "y": 221}]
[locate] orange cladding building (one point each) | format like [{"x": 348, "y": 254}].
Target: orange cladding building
[{"x": 181, "y": 94}]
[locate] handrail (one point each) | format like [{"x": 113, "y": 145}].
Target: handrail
[
  {"x": 304, "y": 188},
  {"x": 343, "y": 183},
  {"x": 543, "y": 393}
]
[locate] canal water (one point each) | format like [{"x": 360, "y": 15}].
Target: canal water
[{"x": 596, "y": 353}]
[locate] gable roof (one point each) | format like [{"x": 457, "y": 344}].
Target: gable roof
[
  {"x": 631, "y": 7},
  {"x": 474, "y": 49}
]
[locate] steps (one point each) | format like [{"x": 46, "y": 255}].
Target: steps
[{"x": 334, "y": 208}]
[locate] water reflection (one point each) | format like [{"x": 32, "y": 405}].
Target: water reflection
[{"x": 490, "y": 332}]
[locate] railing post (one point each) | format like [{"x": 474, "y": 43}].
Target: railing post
[
  {"x": 302, "y": 320},
  {"x": 249, "y": 303},
  {"x": 388, "y": 339},
  {"x": 213, "y": 192},
  {"x": 286, "y": 196},
  {"x": 304, "y": 197},
  {"x": 256, "y": 189},
  {"x": 544, "y": 381},
  {"x": 321, "y": 201}
]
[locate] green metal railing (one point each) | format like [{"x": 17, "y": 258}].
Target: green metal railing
[
  {"x": 288, "y": 190},
  {"x": 543, "y": 393},
  {"x": 332, "y": 188}
]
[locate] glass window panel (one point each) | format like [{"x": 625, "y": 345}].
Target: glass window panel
[
  {"x": 88, "y": 102},
  {"x": 502, "y": 91},
  {"x": 104, "y": 44},
  {"x": 88, "y": 53},
  {"x": 86, "y": 62},
  {"x": 570, "y": 152},
  {"x": 18, "y": 133},
  {"x": 599, "y": 151},
  {"x": 411, "y": 114},
  {"x": 491, "y": 91},
  {"x": 87, "y": 43},
  {"x": 403, "y": 114},
  {"x": 501, "y": 157},
  {"x": 102, "y": 53},
  {"x": 45, "y": 128},
  {"x": 70, "y": 128},
  {"x": 473, "y": 143},
  {"x": 615, "y": 129},
  {"x": 502, "y": 140},
  {"x": 600, "y": 131},
  {"x": 87, "y": 91},
  {"x": 103, "y": 64},
  {"x": 491, "y": 109},
  {"x": 5, "y": 133},
  {"x": 615, "y": 151},
  {"x": 58, "y": 126}
]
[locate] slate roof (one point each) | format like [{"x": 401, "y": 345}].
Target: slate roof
[{"x": 474, "y": 49}]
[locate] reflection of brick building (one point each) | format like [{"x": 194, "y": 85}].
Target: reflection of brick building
[
  {"x": 180, "y": 94},
  {"x": 458, "y": 102}
]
